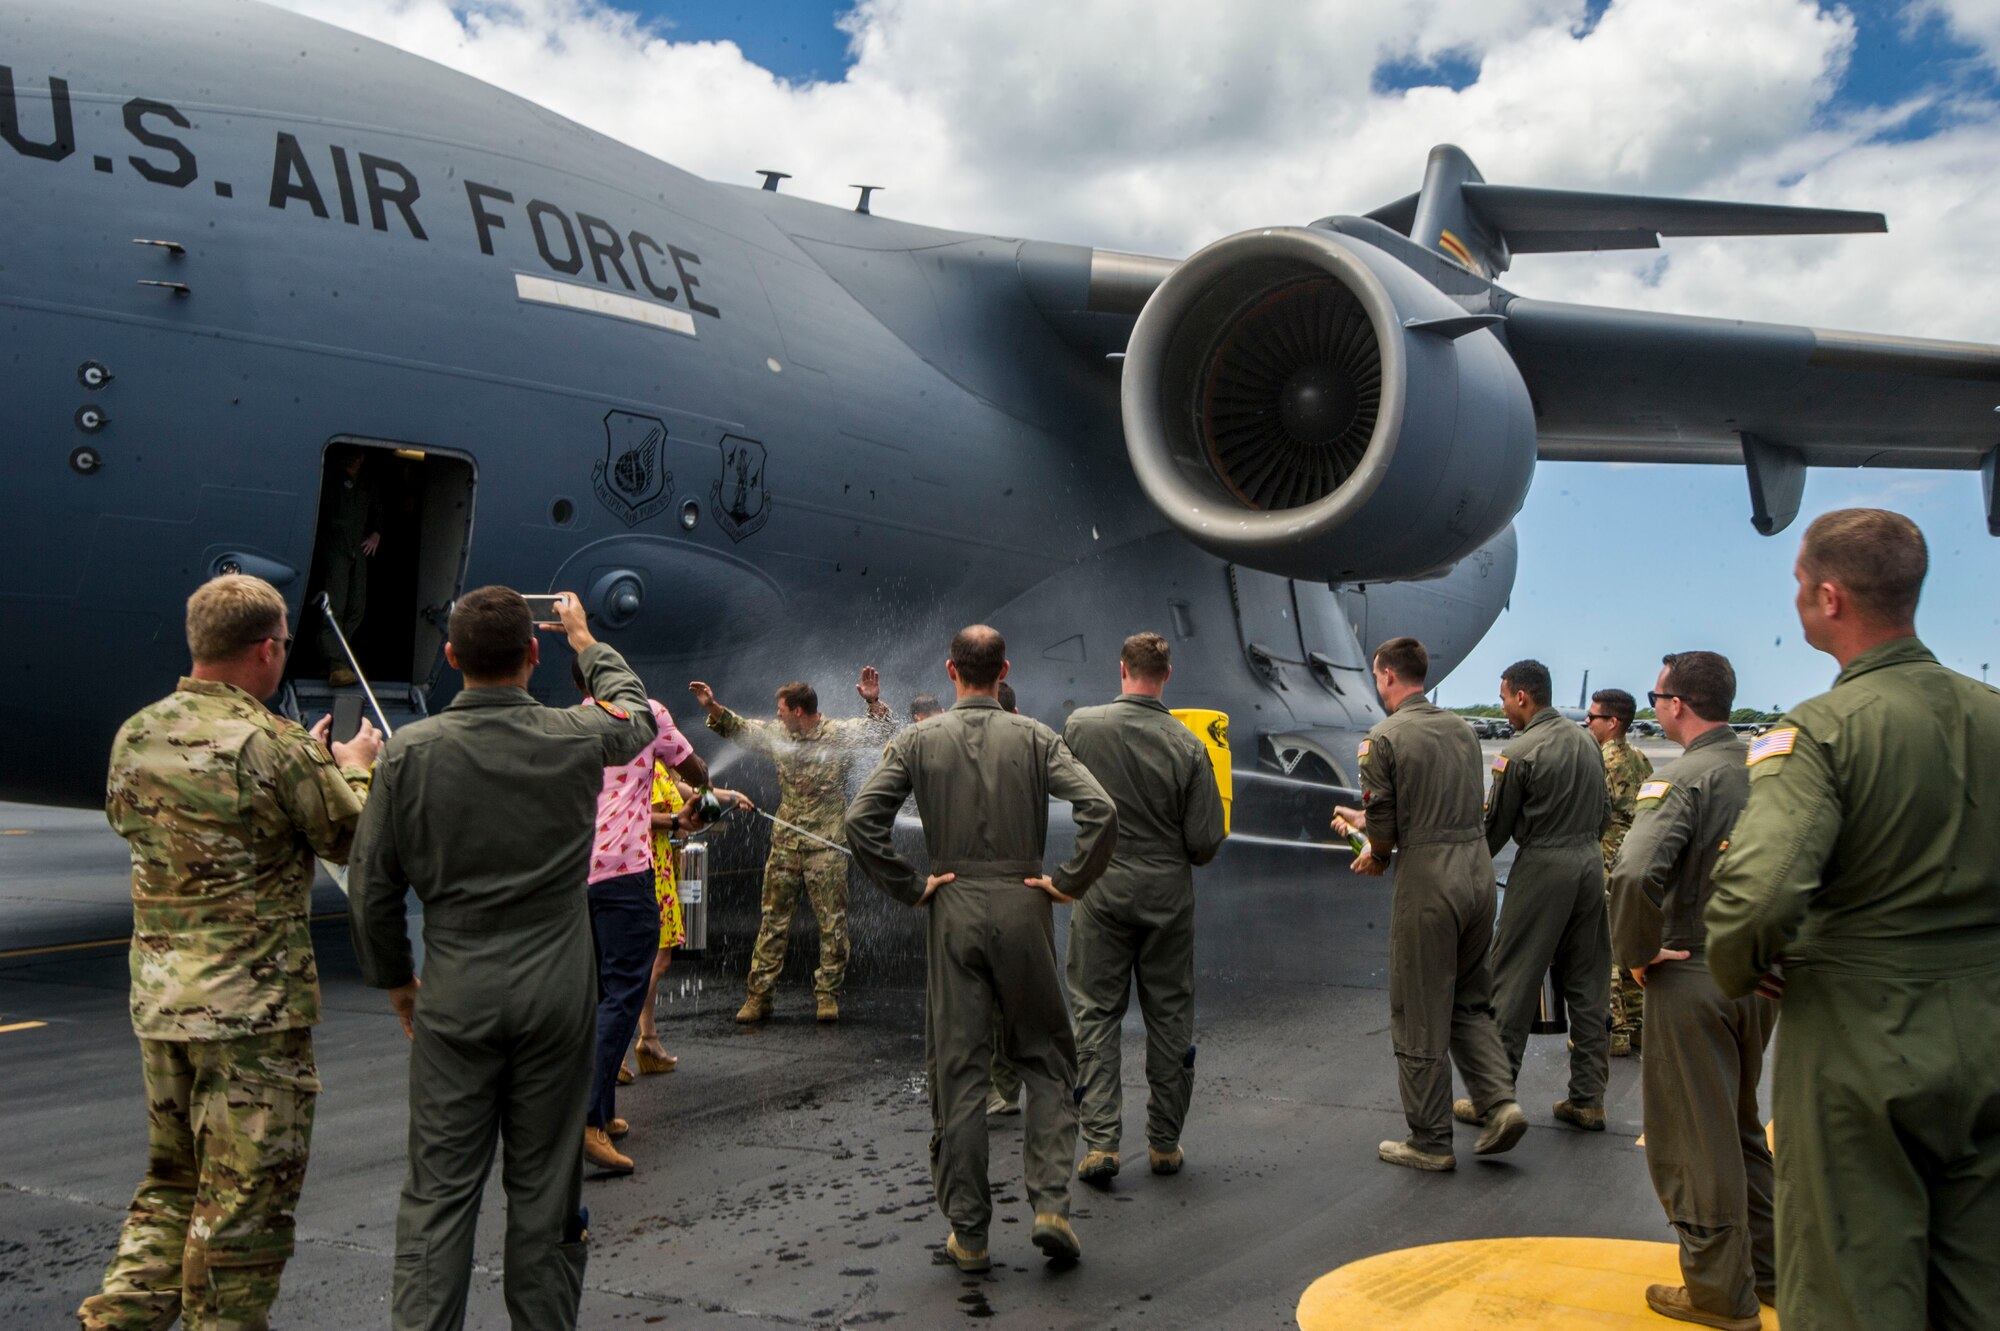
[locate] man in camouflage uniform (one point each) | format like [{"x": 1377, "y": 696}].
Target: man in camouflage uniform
[
  {"x": 1625, "y": 770},
  {"x": 224, "y": 804},
  {"x": 814, "y": 755}
]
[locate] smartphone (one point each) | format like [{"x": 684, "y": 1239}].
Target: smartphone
[
  {"x": 542, "y": 609},
  {"x": 346, "y": 717}
]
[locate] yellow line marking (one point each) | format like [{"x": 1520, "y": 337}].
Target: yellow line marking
[
  {"x": 113, "y": 942},
  {"x": 21, "y": 1026},
  {"x": 1522, "y": 1284},
  {"x": 18, "y": 831}
]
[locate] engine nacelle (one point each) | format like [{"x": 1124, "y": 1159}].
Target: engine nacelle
[{"x": 1301, "y": 402}]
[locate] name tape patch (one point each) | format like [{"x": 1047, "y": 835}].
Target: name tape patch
[{"x": 1774, "y": 745}]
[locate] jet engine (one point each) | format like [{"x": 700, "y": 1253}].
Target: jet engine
[{"x": 1302, "y": 402}]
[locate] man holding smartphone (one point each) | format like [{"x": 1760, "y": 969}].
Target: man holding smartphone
[{"x": 487, "y": 811}]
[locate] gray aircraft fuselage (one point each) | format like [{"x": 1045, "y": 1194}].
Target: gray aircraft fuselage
[{"x": 671, "y": 397}]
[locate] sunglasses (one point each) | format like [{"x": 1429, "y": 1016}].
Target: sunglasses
[
  {"x": 1653, "y": 699},
  {"x": 1599, "y": 716}
]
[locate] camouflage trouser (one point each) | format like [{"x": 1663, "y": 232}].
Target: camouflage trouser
[
  {"x": 823, "y": 874},
  {"x": 1628, "y": 1000},
  {"x": 210, "y": 1230}
]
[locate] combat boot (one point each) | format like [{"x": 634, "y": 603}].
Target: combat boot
[
  {"x": 1465, "y": 1112},
  {"x": 826, "y": 1008},
  {"x": 1098, "y": 1166},
  {"x": 617, "y": 1128},
  {"x": 1621, "y": 1044},
  {"x": 341, "y": 677},
  {"x": 974, "y": 1260},
  {"x": 1402, "y": 1153},
  {"x": 1166, "y": 1162},
  {"x": 757, "y": 1007},
  {"x": 1505, "y": 1125},
  {"x": 1590, "y": 1120},
  {"x": 1055, "y": 1238},
  {"x": 1673, "y": 1301},
  {"x": 602, "y": 1155}
]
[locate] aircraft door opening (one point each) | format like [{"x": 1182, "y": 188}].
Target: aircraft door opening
[{"x": 390, "y": 551}]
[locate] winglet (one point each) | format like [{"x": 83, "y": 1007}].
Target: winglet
[{"x": 1482, "y": 226}]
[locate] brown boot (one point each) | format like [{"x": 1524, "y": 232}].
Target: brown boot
[
  {"x": 1408, "y": 1156},
  {"x": 974, "y": 1260},
  {"x": 341, "y": 677},
  {"x": 617, "y": 1128},
  {"x": 826, "y": 1008},
  {"x": 602, "y": 1155},
  {"x": 1672, "y": 1301},
  {"x": 1466, "y": 1112},
  {"x": 1098, "y": 1166},
  {"x": 1590, "y": 1120},
  {"x": 1056, "y": 1239},
  {"x": 1505, "y": 1125},
  {"x": 1166, "y": 1162},
  {"x": 755, "y": 1008}
]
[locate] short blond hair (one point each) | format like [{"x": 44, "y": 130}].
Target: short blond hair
[{"x": 230, "y": 613}]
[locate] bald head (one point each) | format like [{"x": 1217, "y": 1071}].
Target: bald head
[{"x": 978, "y": 656}]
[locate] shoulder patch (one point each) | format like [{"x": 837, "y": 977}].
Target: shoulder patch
[
  {"x": 1774, "y": 745},
  {"x": 1652, "y": 790},
  {"x": 617, "y": 713},
  {"x": 1367, "y": 746},
  {"x": 1500, "y": 762}
]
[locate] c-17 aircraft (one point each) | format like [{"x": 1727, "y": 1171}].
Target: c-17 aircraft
[{"x": 767, "y": 438}]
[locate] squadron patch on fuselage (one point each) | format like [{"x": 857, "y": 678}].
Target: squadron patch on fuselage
[{"x": 632, "y": 480}]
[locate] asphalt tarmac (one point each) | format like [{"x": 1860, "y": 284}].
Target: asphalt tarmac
[{"x": 781, "y": 1169}]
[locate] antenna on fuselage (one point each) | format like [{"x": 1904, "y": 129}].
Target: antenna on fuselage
[
  {"x": 861, "y": 204},
  {"x": 771, "y": 178}
]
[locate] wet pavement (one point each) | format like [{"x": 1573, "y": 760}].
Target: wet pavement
[{"x": 781, "y": 1169}]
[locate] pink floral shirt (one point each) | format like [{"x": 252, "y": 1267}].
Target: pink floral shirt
[{"x": 624, "y": 841}]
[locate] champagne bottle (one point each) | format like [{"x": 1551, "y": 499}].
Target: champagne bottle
[{"x": 707, "y": 806}]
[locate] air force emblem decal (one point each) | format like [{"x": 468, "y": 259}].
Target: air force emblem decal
[
  {"x": 738, "y": 497},
  {"x": 632, "y": 480}
]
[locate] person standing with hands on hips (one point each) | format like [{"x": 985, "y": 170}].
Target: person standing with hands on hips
[{"x": 983, "y": 778}]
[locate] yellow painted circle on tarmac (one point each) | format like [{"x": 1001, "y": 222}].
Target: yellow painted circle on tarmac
[{"x": 1499, "y": 1285}]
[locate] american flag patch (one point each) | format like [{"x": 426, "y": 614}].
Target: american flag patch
[
  {"x": 1774, "y": 745},
  {"x": 1652, "y": 790},
  {"x": 1500, "y": 763},
  {"x": 1366, "y": 745}
]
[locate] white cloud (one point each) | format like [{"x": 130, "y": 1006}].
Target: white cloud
[
  {"x": 1161, "y": 124},
  {"x": 1976, "y": 22}
]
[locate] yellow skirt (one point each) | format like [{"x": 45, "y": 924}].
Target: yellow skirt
[{"x": 666, "y": 888}]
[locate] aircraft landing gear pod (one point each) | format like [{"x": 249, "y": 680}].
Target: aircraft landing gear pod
[{"x": 1299, "y": 402}]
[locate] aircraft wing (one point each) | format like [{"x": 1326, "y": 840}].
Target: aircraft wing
[{"x": 1625, "y": 386}]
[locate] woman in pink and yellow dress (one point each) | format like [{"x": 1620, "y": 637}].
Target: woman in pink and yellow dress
[{"x": 671, "y": 816}]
